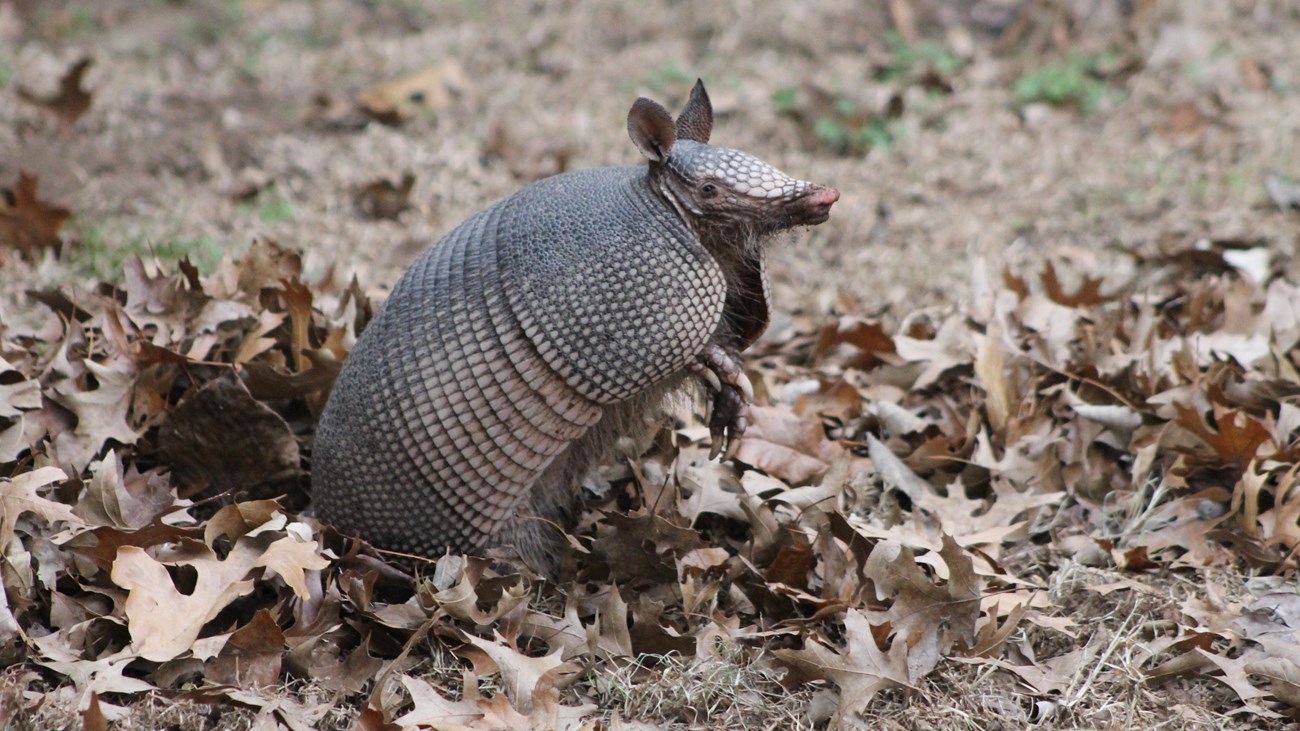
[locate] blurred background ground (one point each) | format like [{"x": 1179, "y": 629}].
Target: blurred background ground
[
  {"x": 953, "y": 129},
  {"x": 1070, "y": 130}
]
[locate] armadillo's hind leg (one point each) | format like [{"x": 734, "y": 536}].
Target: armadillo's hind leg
[
  {"x": 536, "y": 533},
  {"x": 729, "y": 417}
]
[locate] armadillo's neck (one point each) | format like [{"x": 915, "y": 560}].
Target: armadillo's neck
[
  {"x": 736, "y": 247},
  {"x": 662, "y": 188},
  {"x": 725, "y": 239}
]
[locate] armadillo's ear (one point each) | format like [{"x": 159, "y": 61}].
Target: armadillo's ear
[
  {"x": 696, "y": 120},
  {"x": 651, "y": 128}
]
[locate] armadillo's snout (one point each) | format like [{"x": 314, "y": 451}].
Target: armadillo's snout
[{"x": 815, "y": 206}]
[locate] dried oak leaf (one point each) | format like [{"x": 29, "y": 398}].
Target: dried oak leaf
[
  {"x": 251, "y": 655},
  {"x": 785, "y": 446},
  {"x": 163, "y": 622},
  {"x": 317, "y": 656},
  {"x": 20, "y": 402},
  {"x": 28, "y": 224},
  {"x": 868, "y": 337},
  {"x": 1088, "y": 293},
  {"x": 71, "y": 101},
  {"x": 929, "y": 619},
  {"x": 461, "y": 600},
  {"x": 295, "y": 559},
  {"x": 523, "y": 675},
  {"x": 1235, "y": 443},
  {"x": 566, "y": 633},
  {"x": 220, "y": 439},
  {"x": 19, "y": 495},
  {"x": 382, "y": 198},
  {"x": 987, "y": 522},
  {"x": 102, "y": 414},
  {"x": 434, "y": 710},
  {"x": 99, "y": 675},
  {"x": 93, "y": 718},
  {"x": 428, "y": 89},
  {"x": 643, "y": 545},
  {"x": 124, "y": 497},
  {"x": 274, "y": 710},
  {"x": 236, "y": 520},
  {"x": 950, "y": 348},
  {"x": 860, "y": 671}
]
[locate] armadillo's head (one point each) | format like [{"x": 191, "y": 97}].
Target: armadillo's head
[{"x": 719, "y": 186}]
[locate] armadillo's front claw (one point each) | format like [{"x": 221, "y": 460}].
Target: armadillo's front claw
[
  {"x": 728, "y": 421},
  {"x": 732, "y": 391},
  {"x": 705, "y": 374},
  {"x": 726, "y": 367}
]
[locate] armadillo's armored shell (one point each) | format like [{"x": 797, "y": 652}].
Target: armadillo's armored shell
[
  {"x": 496, "y": 350},
  {"x": 614, "y": 303}
]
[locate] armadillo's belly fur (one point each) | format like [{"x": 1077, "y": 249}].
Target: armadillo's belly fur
[{"x": 500, "y": 347}]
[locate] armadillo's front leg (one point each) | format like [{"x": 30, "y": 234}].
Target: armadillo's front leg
[{"x": 732, "y": 392}]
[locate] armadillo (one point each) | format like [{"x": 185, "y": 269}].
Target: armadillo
[{"x": 514, "y": 352}]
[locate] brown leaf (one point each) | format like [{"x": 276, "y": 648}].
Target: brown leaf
[
  {"x": 295, "y": 560},
  {"x": 1235, "y": 676},
  {"x": 71, "y": 101},
  {"x": 93, "y": 718},
  {"x": 100, "y": 676},
  {"x": 922, "y": 613},
  {"x": 371, "y": 719},
  {"x": 462, "y": 601},
  {"x": 1255, "y": 74},
  {"x": 382, "y": 198},
  {"x": 238, "y": 519},
  {"x": 565, "y": 633},
  {"x": 868, "y": 337},
  {"x": 1235, "y": 443},
  {"x": 653, "y": 634},
  {"x": 251, "y": 656},
  {"x": 317, "y": 657},
  {"x": 163, "y": 621},
  {"x": 1087, "y": 295},
  {"x": 1184, "y": 123},
  {"x": 523, "y": 675},
  {"x": 102, "y": 413},
  {"x": 266, "y": 383},
  {"x": 792, "y": 565},
  {"x": 1003, "y": 516},
  {"x": 123, "y": 497},
  {"x": 785, "y": 446},
  {"x": 28, "y": 224},
  {"x": 428, "y": 89},
  {"x": 19, "y": 495},
  {"x": 643, "y": 546},
  {"x": 839, "y": 400},
  {"x": 433, "y": 709},
  {"x": 860, "y": 671}
]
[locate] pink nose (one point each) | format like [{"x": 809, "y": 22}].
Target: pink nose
[{"x": 823, "y": 198}]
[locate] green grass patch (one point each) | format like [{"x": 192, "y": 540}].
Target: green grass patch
[
  {"x": 912, "y": 59},
  {"x": 98, "y": 251},
  {"x": 840, "y": 126},
  {"x": 662, "y": 78},
  {"x": 1074, "y": 81},
  {"x": 270, "y": 207}
]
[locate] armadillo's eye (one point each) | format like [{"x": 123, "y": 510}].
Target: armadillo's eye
[{"x": 708, "y": 190}]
